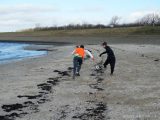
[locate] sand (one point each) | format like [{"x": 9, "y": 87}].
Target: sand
[
  {"x": 42, "y": 88},
  {"x": 116, "y": 39}
]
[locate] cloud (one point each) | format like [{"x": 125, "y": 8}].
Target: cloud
[
  {"x": 93, "y": 9},
  {"x": 24, "y": 16},
  {"x": 132, "y": 17},
  {"x": 27, "y": 16},
  {"x": 24, "y": 8}
]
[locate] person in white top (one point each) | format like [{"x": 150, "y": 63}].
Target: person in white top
[
  {"x": 78, "y": 60},
  {"x": 88, "y": 52}
]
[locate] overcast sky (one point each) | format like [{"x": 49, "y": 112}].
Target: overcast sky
[{"x": 21, "y": 14}]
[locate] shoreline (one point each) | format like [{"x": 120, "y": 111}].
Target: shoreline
[
  {"x": 34, "y": 46},
  {"x": 28, "y": 51},
  {"x": 36, "y": 42}
]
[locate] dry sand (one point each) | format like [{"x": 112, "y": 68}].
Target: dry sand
[
  {"x": 120, "y": 39},
  {"x": 42, "y": 89}
]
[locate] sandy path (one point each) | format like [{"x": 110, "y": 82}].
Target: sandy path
[{"x": 132, "y": 93}]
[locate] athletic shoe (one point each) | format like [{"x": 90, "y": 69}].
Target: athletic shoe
[{"x": 77, "y": 74}]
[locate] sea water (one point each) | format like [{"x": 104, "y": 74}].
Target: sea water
[{"x": 15, "y": 51}]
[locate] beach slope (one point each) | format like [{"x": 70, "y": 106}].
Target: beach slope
[{"x": 43, "y": 89}]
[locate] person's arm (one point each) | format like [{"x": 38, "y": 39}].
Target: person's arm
[
  {"x": 103, "y": 53},
  {"x": 73, "y": 52},
  {"x": 90, "y": 54}
]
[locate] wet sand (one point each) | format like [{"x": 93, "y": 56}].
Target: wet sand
[{"x": 43, "y": 89}]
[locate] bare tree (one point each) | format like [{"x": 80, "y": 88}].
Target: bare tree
[
  {"x": 159, "y": 21},
  {"x": 37, "y": 25},
  {"x": 115, "y": 20},
  {"x": 150, "y": 19}
]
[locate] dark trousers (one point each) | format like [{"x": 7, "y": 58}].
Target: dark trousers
[
  {"x": 77, "y": 62},
  {"x": 111, "y": 61}
]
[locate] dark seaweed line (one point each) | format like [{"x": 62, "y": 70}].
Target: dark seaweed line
[
  {"x": 45, "y": 88},
  {"x": 94, "y": 113},
  {"x": 97, "y": 74}
]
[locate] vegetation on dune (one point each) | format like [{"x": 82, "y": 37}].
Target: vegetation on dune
[
  {"x": 146, "y": 30},
  {"x": 147, "y": 25},
  {"x": 125, "y": 31}
]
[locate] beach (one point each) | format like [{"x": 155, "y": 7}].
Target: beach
[{"x": 42, "y": 88}]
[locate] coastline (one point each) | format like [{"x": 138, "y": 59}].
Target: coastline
[
  {"x": 12, "y": 52},
  {"x": 131, "y": 92}
]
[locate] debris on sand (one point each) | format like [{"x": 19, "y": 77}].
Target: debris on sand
[
  {"x": 41, "y": 101},
  {"x": 53, "y": 81},
  {"x": 11, "y": 107},
  {"x": 95, "y": 86},
  {"x": 70, "y": 68},
  {"x": 19, "y": 107},
  {"x": 156, "y": 60},
  {"x": 11, "y": 116},
  {"x": 45, "y": 86},
  {"x": 92, "y": 74},
  {"x": 62, "y": 73},
  {"x": 32, "y": 106},
  {"x": 30, "y": 96},
  {"x": 93, "y": 113},
  {"x": 99, "y": 80},
  {"x": 142, "y": 55},
  {"x": 28, "y": 103},
  {"x": 63, "y": 112},
  {"x": 57, "y": 71}
]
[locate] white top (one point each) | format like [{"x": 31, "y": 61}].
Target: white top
[{"x": 89, "y": 53}]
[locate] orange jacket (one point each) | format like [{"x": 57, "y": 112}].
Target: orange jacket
[{"x": 80, "y": 52}]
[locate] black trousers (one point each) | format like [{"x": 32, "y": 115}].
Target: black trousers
[
  {"x": 112, "y": 62},
  {"x": 77, "y": 62}
]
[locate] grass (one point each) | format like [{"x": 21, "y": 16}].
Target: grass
[
  {"x": 137, "y": 35},
  {"x": 89, "y": 32}
]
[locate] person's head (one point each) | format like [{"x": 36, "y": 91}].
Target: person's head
[
  {"x": 77, "y": 46},
  {"x": 82, "y": 46},
  {"x": 104, "y": 44}
]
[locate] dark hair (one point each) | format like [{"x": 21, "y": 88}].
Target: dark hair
[
  {"x": 82, "y": 46},
  {"x": 104, "y": 43}
]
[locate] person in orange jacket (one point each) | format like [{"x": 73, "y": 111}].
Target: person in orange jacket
[{"x": 79, "y": 54}]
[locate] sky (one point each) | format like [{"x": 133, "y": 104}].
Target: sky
[{"x": 17, "y": 15}]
